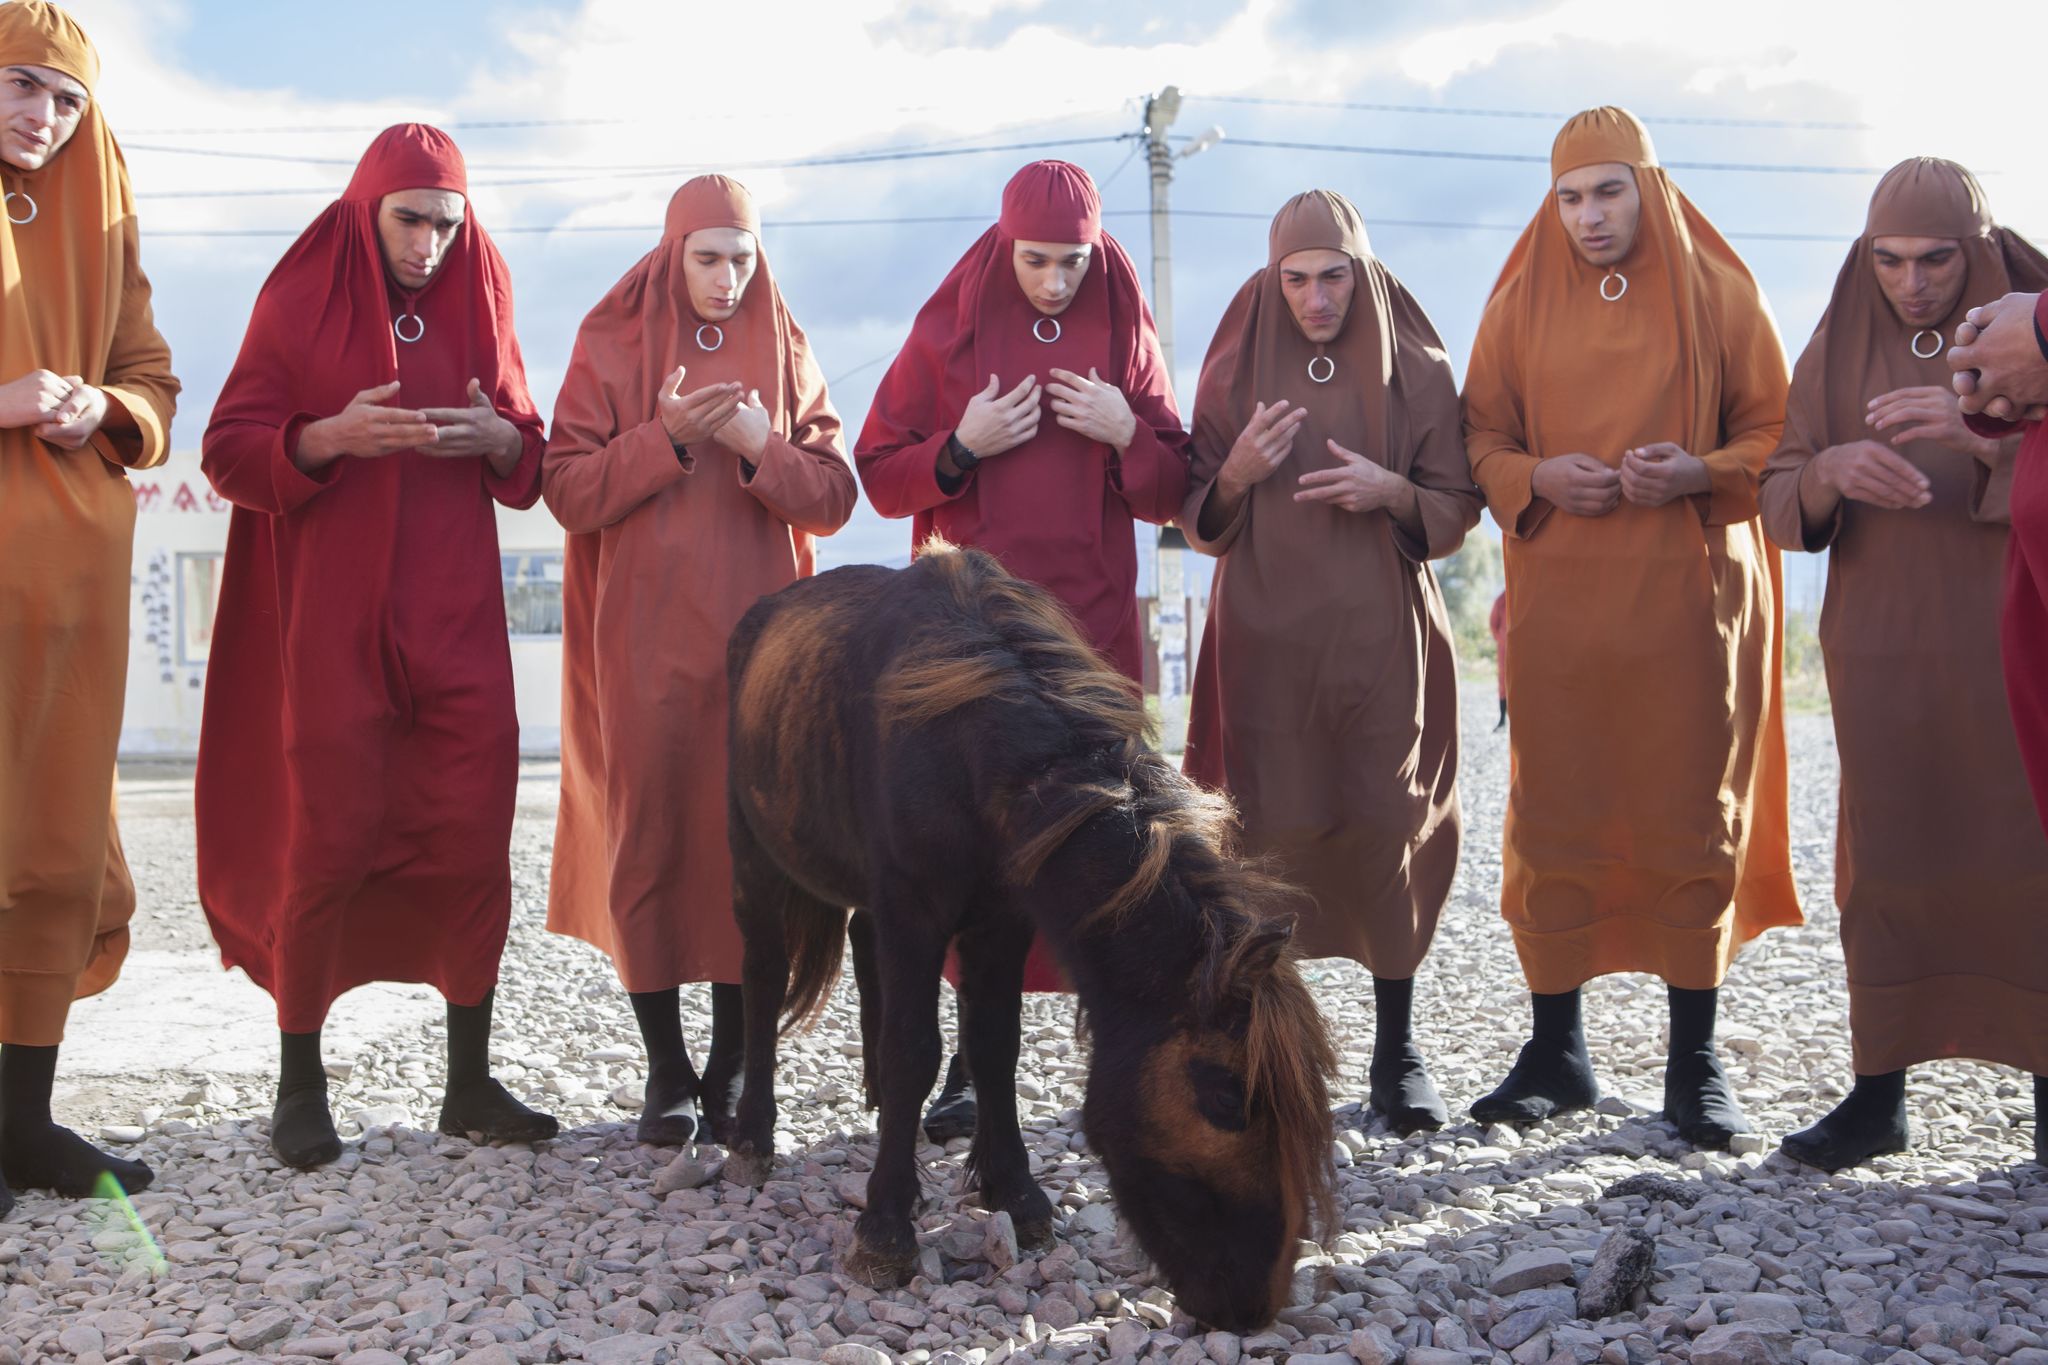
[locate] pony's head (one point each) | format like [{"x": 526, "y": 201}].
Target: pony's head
[{"x": 1215, "y": 1128}]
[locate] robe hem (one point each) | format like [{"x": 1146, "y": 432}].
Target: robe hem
[{"x": 1953, "y": 1015}]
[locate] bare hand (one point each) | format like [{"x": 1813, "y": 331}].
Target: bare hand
[
  {"x": 1355, "y": 485},
  {"x": 366, "y": 429},
  {"x": 1578, "y": 484},
  {"x": 72, "y": 422},
  {"x": 699, "y": 415},
  {"x": 30, "y": 400},
  {"x": 474, "y": 430},
  {"x": 1654, "y": 474},
  {"x": 1926, "y": 413},
  {"x": 1262, "y": 447},
  {"x": 747, "y": 432},
  {"x": 1999, "y": 368},
  {"x": 1869, "y": 472},
  {"x": 992, "y": 424},
  {"x": 1096, "y": 409}
]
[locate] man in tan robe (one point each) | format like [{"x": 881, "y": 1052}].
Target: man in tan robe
[
  {"x": 1941, "y": 868},
  {"x": 695, "y": 455},
  {"x": 1329, "y": 468},
  {"x": 85, "y": 393},
  {"x": 1626, "y": 386}
]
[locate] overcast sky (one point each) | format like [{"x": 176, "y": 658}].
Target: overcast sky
[{"x": 268, "y": 97}]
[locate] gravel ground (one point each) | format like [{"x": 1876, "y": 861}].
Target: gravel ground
[{"x": 1458, "y": 1246}]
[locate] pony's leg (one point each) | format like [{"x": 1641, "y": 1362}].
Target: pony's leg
[
  {"x": 860, "y": 933},
  {"x": 991, "y": 1007},
  {"x": 910, "y": 952},
  {"x": 761, "y": 897}
]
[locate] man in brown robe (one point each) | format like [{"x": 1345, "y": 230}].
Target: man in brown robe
[
  {"x": 1329, "y": 469},
  {"x": 86, "y": 393},
  {"x": 1941, "y": 869}
]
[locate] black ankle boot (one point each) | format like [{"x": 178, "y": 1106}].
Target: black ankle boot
[
  {"x": 1870, "y": 1121},
  {"x": 38, "y": 1154},
  {"x": 668, "y": 1117},
  {"x": 1401, "y": 1090},
  {"x": 1698, "y": 1101},
  {"x": 954, "y": 1112},
  {"x": 1552, "y": 1075},
  {"x": 301, "y": 1125},
  {"x": 2040, "y": 1112},
  {"x": 475, "y": 1104}
]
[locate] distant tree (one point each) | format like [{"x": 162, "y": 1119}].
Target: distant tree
[{"x": 1470, "y": 580}]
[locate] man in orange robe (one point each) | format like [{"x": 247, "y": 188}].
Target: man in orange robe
[
  {"x": 1626, "y": 387},
  {"x": 695, "y": 454},
  {"x": 85, "y": 393}
]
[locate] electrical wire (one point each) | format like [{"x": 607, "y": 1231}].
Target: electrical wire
[
  {"x": 1437, "y": 153},
  {"x": 1458, "y": 111}
]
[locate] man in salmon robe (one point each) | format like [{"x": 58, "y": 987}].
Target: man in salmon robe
[
  {"x": 86, "y": 393},
  {"x": 1626, "y": 386},
  {"x": 695, "y": 454},
  {"x": 359, "y": 751},
  {"x": 1941, "y": 866},
  {"x": 1030, "y": 415},
  {"x": 1329, "y": 469}
]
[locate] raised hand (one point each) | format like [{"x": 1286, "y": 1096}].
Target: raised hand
[
  {"x": 696, "y": 416},
  {"x": 1096, "y": 409},
  {"x": 1578, "y": 484},
  {"x": 747, "y": 432},
  {"x": 1355, "y": 485},
  {"x": 993, "y": 424},
  {"x": 476, "y": 429},
  {"x": 73, "y": 421},
  {"x": 1654, "y": 474},
  {"x": 1264, "y": 444},
  {"x": 1999, "y": 368},
  {"x": 366, "y": 429},
  {"x": 1869, "y": 472}
]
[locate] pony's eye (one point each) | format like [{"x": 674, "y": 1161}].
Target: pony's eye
[{"x": 1219, "y": 1094}]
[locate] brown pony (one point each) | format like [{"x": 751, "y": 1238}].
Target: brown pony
[{"x": 937, "y": 747}]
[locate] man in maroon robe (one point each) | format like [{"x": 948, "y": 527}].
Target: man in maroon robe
[
  {"x": 358, "y": 755},
  {"x": 1030, "y": 415}
]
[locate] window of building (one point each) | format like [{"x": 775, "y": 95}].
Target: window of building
[
  {"x": 198, "y": 599},
  {"x": 533, "y": 593}
]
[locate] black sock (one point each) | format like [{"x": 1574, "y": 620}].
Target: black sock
[
  {"x": 720, "y": 1085},
  {"x": 1552, "y": 1074},
  {"x": 1870, "y": 1121},
  {"x": 301, "y": 1125},
  {"x": 35, "y": 1153},
  {"x": 1698, "y": 1099},
  {"x": 1402, "y": 1091},
  {"x": 669, "y": 1113},
  {"x": 474, "y": 1102},
  {"x": 2040, "y": 1112}
]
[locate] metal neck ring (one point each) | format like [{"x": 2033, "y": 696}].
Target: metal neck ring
[
  {"x": 419, "y": 327},
  {"x": 1608, "y": 278},
  {"x": 1054, "y": 323},
  {"x": 1929, "y": 354},
  {"x": 1329, "y": 369},
  {"x": 717, "y": 336},
  {"x": 33, "y": 210}
]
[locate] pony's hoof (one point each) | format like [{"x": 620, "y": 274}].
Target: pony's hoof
[
  {"x": 745, "y": 1166},
  {"x": 878, "y": 1267},
  {"x": 1035, "y": 1236}
]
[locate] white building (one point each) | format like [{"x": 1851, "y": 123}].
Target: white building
[{"x": 181, "y": 532}]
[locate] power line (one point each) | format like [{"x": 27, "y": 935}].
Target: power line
[
  {"x": 1459, "y": 111},
  {"x": 467, "y": 125},
  {"x": 1435, "y": 153}
]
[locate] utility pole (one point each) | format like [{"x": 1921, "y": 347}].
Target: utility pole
[{"x": 1170, "y": 626}]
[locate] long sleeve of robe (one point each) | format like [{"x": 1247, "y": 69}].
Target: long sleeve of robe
[
  {"x": 665, "y": 555},
  {"x": 67, "y": 530},
  {"x": 1941, "y": 868}
]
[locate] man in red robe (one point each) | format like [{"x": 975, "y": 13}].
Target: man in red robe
[
  {"x": 358, "y": 755},
  {"x": 2000, "y": 361},
  {"x": 1030, "y": 415}
]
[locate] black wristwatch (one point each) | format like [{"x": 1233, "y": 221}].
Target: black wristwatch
[{"x": 963, "y": 458}]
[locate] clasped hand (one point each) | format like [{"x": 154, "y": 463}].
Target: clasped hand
[{"x": 63, "y": 410}]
